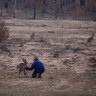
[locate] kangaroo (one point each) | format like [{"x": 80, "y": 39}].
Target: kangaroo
[
  {"x": 32, "y": 36},
  {"x": 21, "y": 67},
  {"x": 91, "y": 38}
]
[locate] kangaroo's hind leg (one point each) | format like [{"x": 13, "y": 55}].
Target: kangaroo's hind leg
[
  {"x": 19, "y": 73},
  {"x": 25, "y": 72}
]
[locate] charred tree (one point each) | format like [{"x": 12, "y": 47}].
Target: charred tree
[
  {"x": 34, "y": 13},
  {"x": 14, "y": 15},
  {"x": 1, "y": 7}
]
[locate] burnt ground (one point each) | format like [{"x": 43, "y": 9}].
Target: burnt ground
[{"x": 61, "y": 46}]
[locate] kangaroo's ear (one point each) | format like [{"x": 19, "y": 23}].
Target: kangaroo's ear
[
  {"x": 93, "y": 34},
  {"x": 24, "y": 60}
]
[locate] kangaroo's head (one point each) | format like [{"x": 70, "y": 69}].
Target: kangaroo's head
[{"x": 25, "y": 61}]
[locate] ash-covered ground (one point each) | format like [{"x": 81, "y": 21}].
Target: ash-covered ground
[{"x": 62, "y": 46}]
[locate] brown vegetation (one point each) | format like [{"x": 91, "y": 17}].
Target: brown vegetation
[{"x": 56, "y": 8}]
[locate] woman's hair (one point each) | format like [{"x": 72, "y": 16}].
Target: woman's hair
[{"x": 36, "y": 58}]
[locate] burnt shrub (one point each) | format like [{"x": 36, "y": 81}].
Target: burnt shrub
[
  {"x": 92, "y": 62},
  {"x": 4, "y": 31},
  {"x": 56, "y": 54},
  {"x": 42, "y": 39}
]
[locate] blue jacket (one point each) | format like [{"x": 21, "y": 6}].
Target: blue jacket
[{"x": 38, "y": 66}]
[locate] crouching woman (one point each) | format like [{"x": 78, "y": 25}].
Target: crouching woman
[{"x": 38, "y": 68}]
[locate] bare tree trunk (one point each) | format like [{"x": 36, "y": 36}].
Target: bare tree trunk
[
  {"x": 1, "y": 7},
  {"x": 44, "y": 7},
  {"x": 56, "y": 9},
  {"x": 34, "y": 14},
  {"x": 94, "y": 8},
  {"x": 14, "y": 15}
]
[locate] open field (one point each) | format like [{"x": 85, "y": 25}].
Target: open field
[{"x": 61, "y": 46}]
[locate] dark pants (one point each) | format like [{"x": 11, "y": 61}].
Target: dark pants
[{"x": 35, "y": 74}]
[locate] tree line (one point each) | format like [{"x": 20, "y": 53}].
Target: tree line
[{"x": 57, "y": 8}]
